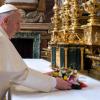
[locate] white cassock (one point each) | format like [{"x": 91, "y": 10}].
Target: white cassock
[{"x": 14, "y": 70}]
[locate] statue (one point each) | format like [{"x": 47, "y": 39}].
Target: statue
[
  {"x": 32, "y": 11},
  {"x": 38, "y": 14}
]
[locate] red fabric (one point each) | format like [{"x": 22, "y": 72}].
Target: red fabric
[{"x": 82, "y": 85}]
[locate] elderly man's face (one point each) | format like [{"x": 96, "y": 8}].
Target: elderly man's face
[{"x": 13, "y": 24}]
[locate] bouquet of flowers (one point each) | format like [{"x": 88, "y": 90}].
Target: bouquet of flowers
[{"x": 70, "y": 75}]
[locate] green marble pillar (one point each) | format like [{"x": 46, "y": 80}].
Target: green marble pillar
[
  {"x": 53, "y": 59},
  {"x": 36, "y": 45},
  {"x": 74, "y": 57},
  {"x": 62, "y": 57}
]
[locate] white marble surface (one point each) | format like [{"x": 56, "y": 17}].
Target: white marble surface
[{"x": 92, "y": 92}]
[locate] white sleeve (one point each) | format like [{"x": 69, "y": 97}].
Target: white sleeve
[
  {"x": 11, "y": 61},
  {"x": 38, "y": 81}
]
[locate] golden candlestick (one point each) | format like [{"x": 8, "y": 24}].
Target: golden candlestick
[
  {"x": 67, "y": 16},
  {"x": 77, "y": 12},
  {"x": 55, "y": 23},
  {"x": 56, "y": 16},
  {"x": 65, "y": 24}
]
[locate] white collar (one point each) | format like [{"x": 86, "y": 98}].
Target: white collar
[{"x": 3, "y": 32}]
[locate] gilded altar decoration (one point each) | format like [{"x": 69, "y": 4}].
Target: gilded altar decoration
[
  {"x": 65, "y": 23},
  {"x": 70, "y": 38}
]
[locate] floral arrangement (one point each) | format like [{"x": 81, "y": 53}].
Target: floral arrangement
[{"x": 70, "y": 75}]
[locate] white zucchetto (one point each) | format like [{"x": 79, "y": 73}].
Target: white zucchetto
[{"x": 6, "y": 8}]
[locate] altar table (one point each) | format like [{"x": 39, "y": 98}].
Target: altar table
[{"x": 92, "y": 92}]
